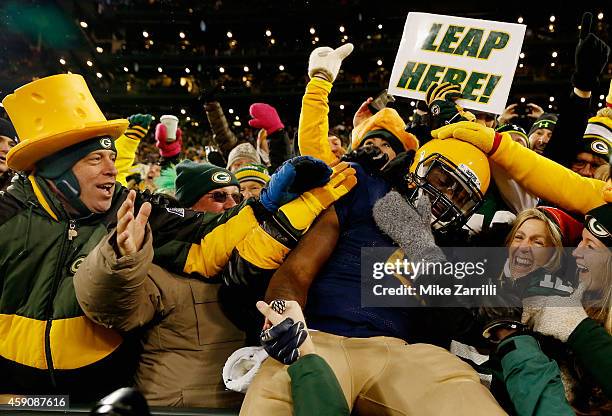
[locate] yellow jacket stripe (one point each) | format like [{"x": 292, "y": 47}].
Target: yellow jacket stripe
[
  {"x": 262, "y": 250},
  {"x": 75, "y": 342},
  {"x": 126, "y": 145},
  {"x": 313, "y": 129},
  {"x": 41, "y": 197},
  {"x": 548, "y": 180},
  {"x": 214, "y": 251}
]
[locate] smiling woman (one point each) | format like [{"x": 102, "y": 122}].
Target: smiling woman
[{"x": 534, "y": 242}]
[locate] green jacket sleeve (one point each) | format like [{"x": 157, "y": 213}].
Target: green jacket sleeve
[
  {"x": 532, "y": 379},
  {"x": 593, "y": 347},
  {"x": 315, "y": 389}
]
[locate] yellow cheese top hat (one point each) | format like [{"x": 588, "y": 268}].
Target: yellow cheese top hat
[
  {"x": 51, "y": 114},
  {"x": 387, "y": 120}
]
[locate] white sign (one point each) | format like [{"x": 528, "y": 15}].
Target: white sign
[{"x": 480, "y": 55}]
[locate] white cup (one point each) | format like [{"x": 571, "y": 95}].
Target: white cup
[{"x": 171, "y": 123}]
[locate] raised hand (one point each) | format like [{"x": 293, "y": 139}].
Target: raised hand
[
  {"x": 265, "y": 117},
  {"x": 285, "y": 337},
  {"x": 590, "y": 58},
  {"x": 130, "y": 229},
  {"x": 324, "y": 62},
  {"x": 363, "y": 112}
]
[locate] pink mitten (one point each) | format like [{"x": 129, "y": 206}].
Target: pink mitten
[
  {"x": 265, "y": 117},
  {"x": 166, "y": 149}
]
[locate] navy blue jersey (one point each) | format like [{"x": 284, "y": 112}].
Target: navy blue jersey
[{"x": 334, "y": 300}]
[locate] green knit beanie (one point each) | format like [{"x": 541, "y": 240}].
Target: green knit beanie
[{"x": 193, "y": 180}]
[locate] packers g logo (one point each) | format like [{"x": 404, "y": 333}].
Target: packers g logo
[
  {"x": 76, "y": 264},
  {"x": 106, "y": 143},
  {"x": 600, "y": 147},
  {"x": 435, "y": 109},
  {"x": 596, "y": 228},
  {"x": 221, "y": 177}
]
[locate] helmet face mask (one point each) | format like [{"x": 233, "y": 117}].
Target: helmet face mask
[{"x": 454, "y": 193}]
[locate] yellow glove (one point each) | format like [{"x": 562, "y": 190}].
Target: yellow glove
[
  {"x": 302, "y": 211},
  {"x": 484, "y": 138}
]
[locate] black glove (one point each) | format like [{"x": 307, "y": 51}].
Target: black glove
[
  {"x": 590, "y": 58},
  {"x": 396, "y": 171},
  {"x": 283, "y": 340},
  {"x": 371, "y": 158}
]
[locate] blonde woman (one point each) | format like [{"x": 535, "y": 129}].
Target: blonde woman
[{"x": 583, "y": 321}]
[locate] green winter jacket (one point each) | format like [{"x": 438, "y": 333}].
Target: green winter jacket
[
  {"x": 532, "y": 380},
  {"x": 315, "y": 389},
  {"x": 592, "y": 346}
]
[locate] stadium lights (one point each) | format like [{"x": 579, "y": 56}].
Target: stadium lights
[
  {"x": 99, "y": 75},
  {"x": 99, "y": 49},
  {"x": 555, "y": 54},
  {"x": 159, "y": 69},
  {"x": 89, "y": 63},
  {"x": 183, "y": 111},
  {"x": 268, "y": 33},
  {"x": 221, "y": 69},
  {"x": 125, "y": 68},
  {"x": 84, "y": 24},
  {"x": 341, "y": 28},
  {"x": 229, "y": 34},
  {"x": 246, "y": 68},
  {"x": 187, "y": 70},
  {"x": 379, "y": 62},
  {"x": 182, "y": 35},
  {"x": 379, "y": 26},
  {"x": 145, "y": 34},
  {"x": 281, "y": 67},
  {"x": 341, "y": 106},
  {"x": 62, "y": 61},
  {"x": 312, "y": 31},
  {"x": 552, "y": 19}
]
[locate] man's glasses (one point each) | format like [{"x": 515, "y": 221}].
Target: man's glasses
[{"x": 221, "y": 196}]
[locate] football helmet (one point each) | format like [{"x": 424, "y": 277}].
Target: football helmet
[{"x": 454, "y": 175}]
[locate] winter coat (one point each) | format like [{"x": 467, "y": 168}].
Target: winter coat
[
  {"x": 186, "y": 339},
  {"x": 46, "y": 342},
  {"x": 314, "y": 126},
  {"x": 222, "y": 134}
]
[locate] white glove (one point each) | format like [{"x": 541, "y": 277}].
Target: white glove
[
  {"x": 242, "y": 366},
  {"x": 325, "y": 61},
  {"x": 557, "y": 316}
]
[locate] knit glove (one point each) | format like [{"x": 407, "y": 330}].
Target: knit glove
[
  {"x": 408, "y": 227},
  {"x": 556, "y": 316},
  {"x": 292, "y": 178},
  {"x": 301, "y": 212},
  {"x": 265, "y": 117},
  {"x": 371, "y": 158},
  {"x": 324, "y": 62},
  {"x": 167, "y": 149},
  {"x": 396, "y": 171},
  {"x": 142, "y": 120},
  {"x": 440, "y": 99},
  {"x": 484, "y": 138},
  {"x": 590, "y": 58}
]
